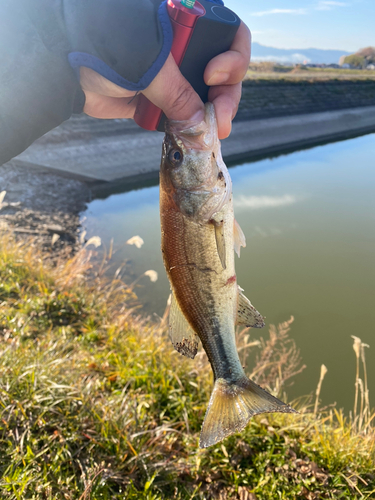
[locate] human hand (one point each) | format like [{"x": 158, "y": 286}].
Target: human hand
[{"x": 171, "y": 92}]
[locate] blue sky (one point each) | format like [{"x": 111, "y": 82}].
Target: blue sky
[{"x": 323, "y": 24}]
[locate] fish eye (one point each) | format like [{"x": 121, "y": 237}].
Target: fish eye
[{"x": 175, "y": 156}]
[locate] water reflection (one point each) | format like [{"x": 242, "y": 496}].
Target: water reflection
[
  {"x": 243, "y": 202},
  {"x": 309, "y": 219}
]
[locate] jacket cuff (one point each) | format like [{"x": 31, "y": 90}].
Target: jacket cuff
[{"x": 78, "y": 59}]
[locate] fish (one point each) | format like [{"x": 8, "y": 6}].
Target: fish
[{"x": 199, "y": 236}]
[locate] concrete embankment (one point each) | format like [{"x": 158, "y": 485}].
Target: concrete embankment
[
  {"x": 48, "y": 186},
  {"x": 272, "y": 98},
  {"x": 134, "y": 155},
  {"x": 273, "y": 118}
]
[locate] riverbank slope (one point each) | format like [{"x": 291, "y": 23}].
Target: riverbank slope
[{"x": 95, "y": 403}]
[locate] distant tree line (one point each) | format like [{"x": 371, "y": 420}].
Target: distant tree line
[{"x": 361, "y": 59}]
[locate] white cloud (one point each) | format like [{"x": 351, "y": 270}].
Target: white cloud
[
  {"x": 292, "y": 58},
  {"x": 259, "y": 202},
  {"x": 279, "y": 11},
  {"x": 321, "y": 5},
  {"x": 329, "y": 5}
]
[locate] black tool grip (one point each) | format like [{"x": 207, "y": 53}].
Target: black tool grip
[{"x": 213, "y": 34}]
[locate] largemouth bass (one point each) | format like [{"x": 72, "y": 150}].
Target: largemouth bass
[{"x": 199, "y": 236}]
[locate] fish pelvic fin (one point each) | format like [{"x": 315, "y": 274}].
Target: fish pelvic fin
[
  {"x": 182, "y": 336},
  {"x": 232, "y": 405}
]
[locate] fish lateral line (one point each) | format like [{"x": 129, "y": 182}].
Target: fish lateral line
[{"x": 201, "y": 269}]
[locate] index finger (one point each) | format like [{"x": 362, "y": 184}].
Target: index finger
[
  {"x": 231, "y": 66},
  {"x": 171, "y": 92}
]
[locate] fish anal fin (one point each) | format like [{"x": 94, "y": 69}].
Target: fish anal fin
[
  {"x": 218, "y": 223},
  {"x": 239, "y": 239},
  {"x": 182, "y": 336},
  {"x": 247, "y": 315},
  {"x": 232, "y": 405}
]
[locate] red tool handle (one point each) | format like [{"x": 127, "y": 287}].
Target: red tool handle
[{"x": 183, "y": 20}]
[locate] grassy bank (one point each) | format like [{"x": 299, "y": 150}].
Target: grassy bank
[
  {"x": 96, "y": 404},
  {"x": 273, "y": 71}
]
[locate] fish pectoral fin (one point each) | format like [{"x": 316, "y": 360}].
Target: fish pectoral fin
[
  {"x": 182, "y": 336},
  {"x": 232, "y": 405},
  {"x": 218, "y": 223},
  {"x": 239, "y": 239},
  {"x": 247, "y": 315},
  {"x": 220, "y": 243}
]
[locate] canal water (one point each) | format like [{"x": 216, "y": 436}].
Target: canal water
[{"x": 309, "y": 220}]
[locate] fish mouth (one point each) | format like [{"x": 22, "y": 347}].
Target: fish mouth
[
  {"x": 199, "y": 134},
  {"x": 188, "y": 128},
  {"x": 190, "y": 134}
]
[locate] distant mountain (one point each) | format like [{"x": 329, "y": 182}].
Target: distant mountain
[{"x": 312, "y": 56}]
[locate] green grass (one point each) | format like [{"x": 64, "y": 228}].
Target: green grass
[{"x": 96, "y": 404}]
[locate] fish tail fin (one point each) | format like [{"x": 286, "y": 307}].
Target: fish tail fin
[{"x": 232, "y": 405}]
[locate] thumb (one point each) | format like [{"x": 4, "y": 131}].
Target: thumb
[{"x": 172, "y": 93}]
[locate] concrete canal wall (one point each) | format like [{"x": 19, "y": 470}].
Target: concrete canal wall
[
  {"x": 272, "y": 119},
  {"x": 272, "y": 98}
]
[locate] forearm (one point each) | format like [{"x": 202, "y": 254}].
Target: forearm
[{"x": 38, "y": 89}]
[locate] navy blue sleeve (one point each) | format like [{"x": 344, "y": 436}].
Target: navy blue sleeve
[{"x": 38, "y": 88}]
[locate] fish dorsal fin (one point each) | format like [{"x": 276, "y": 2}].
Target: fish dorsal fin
[
  {"x": 218, "y": 222},
  {"x": 247, "y": 315},
  {"x": 239, "y": 239},
  {"x": 182, "y": 336}
]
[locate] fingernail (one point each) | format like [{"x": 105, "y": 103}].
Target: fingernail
[{"x": 218, "y": 78}]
